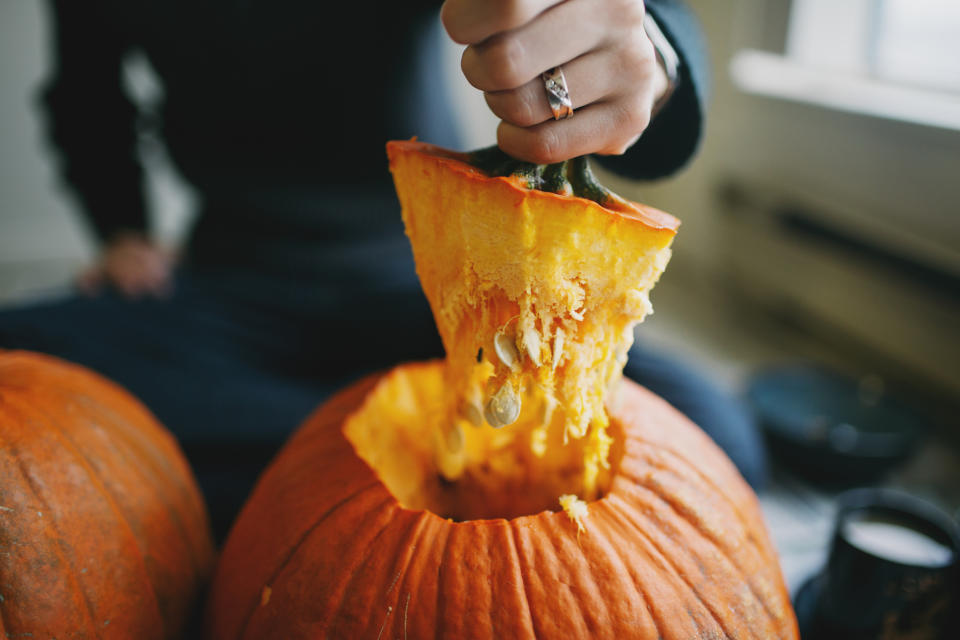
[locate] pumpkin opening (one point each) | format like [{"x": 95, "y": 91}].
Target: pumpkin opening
[{"x": 400, "y": 432}]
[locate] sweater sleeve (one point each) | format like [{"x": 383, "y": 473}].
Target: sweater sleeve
[
  {"x": 672, "y": 138},
  {"x": 90, "y": 121}
]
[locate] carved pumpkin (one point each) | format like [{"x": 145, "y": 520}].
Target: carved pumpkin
[
  {"x": 103, "y": 533},
  {"x": 593, "y": 510},
  {"x": 675, "y": 548}
]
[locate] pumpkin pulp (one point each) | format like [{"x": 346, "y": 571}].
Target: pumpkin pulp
[
  {"x": 502, "y": 474},
  {"x": 535, "y": 294}
]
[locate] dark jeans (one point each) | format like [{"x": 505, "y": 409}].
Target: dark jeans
[{"x": 231, "y": 372}]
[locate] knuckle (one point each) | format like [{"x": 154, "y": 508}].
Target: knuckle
[
  {"x": 545, "y": 147},
  {"x": 628, "y": 12},
  {"x": 510, "y": 14},
  {"x": 456, "y": 27},
  {"x": 637, "y": 51},
  {"x": 635, "y": 114},
  {"x": 503, "y": 58},
  {"x": 518, "y": 109}
]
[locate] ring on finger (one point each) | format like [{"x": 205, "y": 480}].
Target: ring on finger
[{"x": 558, "y": 95}]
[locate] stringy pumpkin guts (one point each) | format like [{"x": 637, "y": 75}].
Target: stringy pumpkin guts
[{"x": 545, "y": 287}]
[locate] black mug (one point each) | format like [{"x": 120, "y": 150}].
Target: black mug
[{"x": 893, "y": 572}]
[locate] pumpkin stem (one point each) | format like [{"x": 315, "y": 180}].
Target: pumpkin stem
[
  {"x": 570, "y": 177},
  {"x": 555, "y": 179}
]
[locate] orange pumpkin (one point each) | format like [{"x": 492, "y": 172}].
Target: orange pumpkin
[
  {"x": 593, "y": 510},
  {"x": 103, "y": 532},
  {"x": 674, "y": 549}
]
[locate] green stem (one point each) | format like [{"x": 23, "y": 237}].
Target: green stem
[{"x": 571, "y": 177}]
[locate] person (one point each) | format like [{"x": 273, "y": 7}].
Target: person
[{"x": 296, "y": 277}]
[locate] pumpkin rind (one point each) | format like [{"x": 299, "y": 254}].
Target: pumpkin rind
[
  {"x": 676, "y": 549},
  {"x": 103, "y": 532}
]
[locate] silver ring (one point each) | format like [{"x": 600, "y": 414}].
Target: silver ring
[{"x": 557, "y": 93}]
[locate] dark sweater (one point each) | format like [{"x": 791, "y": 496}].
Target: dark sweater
[{"x": 281, "y": 103}]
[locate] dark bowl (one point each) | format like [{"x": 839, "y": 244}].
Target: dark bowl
[{"x": 830, "y": 428}]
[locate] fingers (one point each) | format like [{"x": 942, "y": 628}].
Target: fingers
[
  {"x": 598, "y": 76},
  {"x": 141, "y": 271},
  {"x": 606, "y": 128},
  {"x": 133, "y": 267},
  {"x": 473, "y": 21},
  {"x": 608, "y": 61},
  {"x": 511, "y": 59},
  {"x": 141, "y": 276}
]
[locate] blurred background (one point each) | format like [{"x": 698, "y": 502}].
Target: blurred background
[{"x": 821, "y": 226}]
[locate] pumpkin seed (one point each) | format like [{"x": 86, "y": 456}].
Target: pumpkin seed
[
  {"x": 557, "y": 348},
  {"x": 531, "y": 344},
  {"x": 506, "y": 350},
  {"x": 503, "y": 407}
]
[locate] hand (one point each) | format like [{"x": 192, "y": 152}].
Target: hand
[
  {"x": 132, "y": 265},
  {"x": 609, "y": 63}
]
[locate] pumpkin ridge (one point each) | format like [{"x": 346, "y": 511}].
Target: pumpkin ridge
[
  {"x": 350, "y": 582},
  {"x": 144, "y": 471},
  {"x": 657, "y": 554},
  {"x": 55, "y": 547},
  {"x": 696, "y": 471},
  {"x": 619, "y": 529},
  {"x": 147, "y": 451},
  {"x": 442, "y": 554},
  {"x": 624, "y": 567},
  {"x": 717, "y": 557},
  {"x": 109, "y": 499},
  {"x": 576, "y": 583},
  {"x": 110, "y": 422},
  {"x": 718, "y": 619},
  {"x": 420, "y": 553},
  {"x": 718, "y": 542},
  {"x": 643, "y": 444},
  {"x": 145, "y": 454},
  {"x": 515, "y": 560},
  {"x": 419, "y": 524},
  {"x": 552, "y": 540},
  {"x": 55, "y": 544},
  {"x": 159, "y": 465},
  {"x": 272, "y": 580}
]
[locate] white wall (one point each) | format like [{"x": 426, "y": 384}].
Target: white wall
[
  {"x": 44, "y": 241},
  {"x": 878, "y": 169},
  {"x": 36, "y": 225}
]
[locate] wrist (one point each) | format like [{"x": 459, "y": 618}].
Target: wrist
[{"x": 667, "y": 75}]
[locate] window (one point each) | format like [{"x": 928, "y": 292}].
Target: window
[
  {"x": 909, "y": 42},
  {"x": 894, "y": 59}
]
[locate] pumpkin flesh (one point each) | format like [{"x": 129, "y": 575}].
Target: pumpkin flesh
[{"x": 534, "y": 293}]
